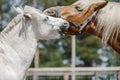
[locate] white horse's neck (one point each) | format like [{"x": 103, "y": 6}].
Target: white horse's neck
[{"x": 18, "y": 51}]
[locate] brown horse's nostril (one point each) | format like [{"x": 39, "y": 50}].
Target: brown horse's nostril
[{"x": 50, "y": 12}]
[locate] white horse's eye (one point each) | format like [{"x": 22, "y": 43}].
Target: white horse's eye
[
  {"x": 78, "y": 8},
  {"x": 46, "y": 19}
]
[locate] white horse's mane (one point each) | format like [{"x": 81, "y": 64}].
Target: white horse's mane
[
  {"x": 19, "y": 18},
  {"x": 12, "y": 24},
  {"x": 108, "y": 18}
]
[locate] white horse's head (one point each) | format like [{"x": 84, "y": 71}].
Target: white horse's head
[{"x": 44, "y": 26}]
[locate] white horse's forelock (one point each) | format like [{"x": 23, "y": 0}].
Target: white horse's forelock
[{"x": 108, "y": 18}]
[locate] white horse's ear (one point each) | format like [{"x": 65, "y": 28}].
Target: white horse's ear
[{"x": 27, "y": 16}]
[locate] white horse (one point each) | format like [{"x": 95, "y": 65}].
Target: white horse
[{"x": 18, "y": 41}]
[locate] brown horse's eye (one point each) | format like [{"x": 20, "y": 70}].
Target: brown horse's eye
[{"x": 78, "y": 8}]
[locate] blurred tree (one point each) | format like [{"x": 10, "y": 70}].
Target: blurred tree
[
  {"x": 115, "y": 0},
  {"x": 47, "y": 3},
  {"x": 4, "y": 16}
]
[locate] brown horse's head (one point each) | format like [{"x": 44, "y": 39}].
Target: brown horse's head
[{"x": 78, "y": 13}]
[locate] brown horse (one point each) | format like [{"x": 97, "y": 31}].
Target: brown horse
[{"x": 99, "y": 18}]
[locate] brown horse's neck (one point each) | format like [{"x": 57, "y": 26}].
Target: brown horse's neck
[{"x": 92, "y": 29}]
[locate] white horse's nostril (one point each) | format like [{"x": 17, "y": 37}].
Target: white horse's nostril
[{"x": 66, "y": 25}]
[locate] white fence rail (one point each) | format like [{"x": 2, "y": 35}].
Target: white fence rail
[{"x": 66, "y": 71}]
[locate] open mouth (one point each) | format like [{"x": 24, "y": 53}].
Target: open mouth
[{"x": 62, "y": 33}]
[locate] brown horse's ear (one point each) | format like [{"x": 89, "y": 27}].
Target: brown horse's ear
[{"x": 98, "y": 5}]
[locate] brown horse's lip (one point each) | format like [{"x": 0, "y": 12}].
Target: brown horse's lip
[
  {"x": 65, "y": 31},
  {"x": 68, "y": 32}
]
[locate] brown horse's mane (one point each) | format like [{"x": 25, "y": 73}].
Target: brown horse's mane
[{"x": 108, "y": 18}]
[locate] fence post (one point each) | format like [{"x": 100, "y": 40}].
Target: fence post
[
  {"x": 66, "y": 76},
  {"x": 36, "y": 64},
  {"x": 118, "y": 75},
  {"x": 96, "y": 75},
  {"x": 73, "y": 56}
]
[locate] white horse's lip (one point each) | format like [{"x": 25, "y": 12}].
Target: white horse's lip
[{"x": 62, "y": 34}]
